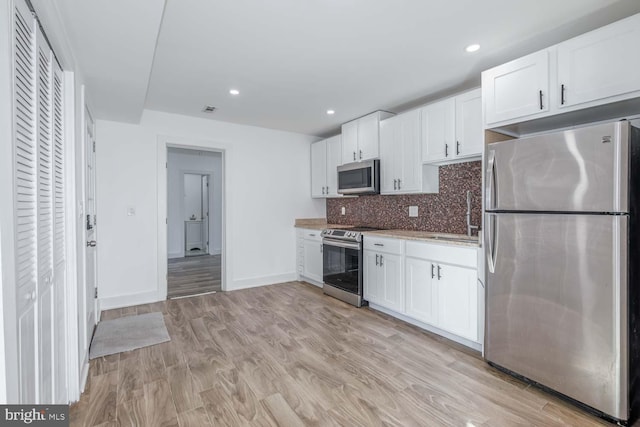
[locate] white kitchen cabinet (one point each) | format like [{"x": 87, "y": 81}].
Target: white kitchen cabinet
[
  {"x": 452, "y": 128},
  {"x": 401, "y": 168},
  {"x": 309, "y": 255},
  {"x": 517, "y": 90},
  {"x": 599, "y": 64},
  {"x": 457, "y": 300},
  {"x": 326, "y": 155},
  {"x": 383, "y": 275},
  {"x": 438, "y": 130},
  {"x": 421, "y": 290},
  {"x": 469, "y": 130},
  {"x": 361, "y": 137}
]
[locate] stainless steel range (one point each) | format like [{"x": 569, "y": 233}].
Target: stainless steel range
[{"x": 342, "y": 263}]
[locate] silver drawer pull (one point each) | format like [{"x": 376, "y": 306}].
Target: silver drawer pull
[{"x": 378, "y": 244}]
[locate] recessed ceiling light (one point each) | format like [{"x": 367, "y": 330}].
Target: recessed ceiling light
[
  {"x": 472, "y": 48},
  {"x": 330, "y": 112},
  {"x": 234, "y": 92}
]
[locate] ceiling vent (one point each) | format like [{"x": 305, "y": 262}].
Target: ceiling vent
[{"x": 209, "y": 109}]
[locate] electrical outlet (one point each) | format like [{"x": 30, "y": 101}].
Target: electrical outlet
[
  {"x": 343, "y": 211},
  {"x": 413, "y": 211}
]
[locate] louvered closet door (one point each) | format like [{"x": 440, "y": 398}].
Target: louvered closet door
[
  {"x": 59, "y": 261},
  {"x": 25, "y": 181}
]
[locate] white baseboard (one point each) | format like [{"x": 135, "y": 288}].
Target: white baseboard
[
  {"x": 472, "y": 344},
  {"x": 129, "y": 300},
  {"x": 254, "y": 282},
  {"x": 310, "y": 281},
  {"x": 215, "y": 252},
  {"x": 84, "y": 375},
  {"x": 175, "y": 255}
]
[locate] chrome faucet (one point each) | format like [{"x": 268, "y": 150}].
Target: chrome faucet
[{"x": 468, "y": 215}]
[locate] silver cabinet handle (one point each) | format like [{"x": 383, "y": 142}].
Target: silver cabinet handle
[
  {"x": 380, "y": 260},
  {"x": 433, "y": 274},
  {"x": 320, "y": 247},
  {"x": 399, "y": 181},
  {"x": 91, "y": 243},
  {"x": 395, "y": 184},
  {"x": 377, "y": 259},
  {"x": 327, "y": 189},
  {"x": 446, "y": 150},
  {"x": 439, "y": 276},
  {"x": 322, "y": 190},
  {"x": 457, "y": 148},
  {"x": 378, "y": 244},
  {"x": 354, "y": 156},
  {"x": 360, "y": 154},
  {"x": 561, "y": 94},
  {"x": 540, "y": 97},
  {"x": 312, "y": 235}
]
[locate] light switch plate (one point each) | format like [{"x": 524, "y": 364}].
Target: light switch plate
[
  {"x": 413, "y": 211},
  {"x": 343, "y": 211}
]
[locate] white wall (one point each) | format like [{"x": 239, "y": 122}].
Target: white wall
[
  {"x": 267, "y": 181},
  {"x": 206, "y": 163}
]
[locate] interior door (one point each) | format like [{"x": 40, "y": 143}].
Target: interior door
[
  {"x": 91, "y": 283},
  {"x": 205, "y": 212}
]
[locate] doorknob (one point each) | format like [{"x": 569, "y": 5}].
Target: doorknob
[{"x": 91, "y": 243}]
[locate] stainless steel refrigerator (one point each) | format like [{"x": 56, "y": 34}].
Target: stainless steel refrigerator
[{"x": 561, "y": 297}]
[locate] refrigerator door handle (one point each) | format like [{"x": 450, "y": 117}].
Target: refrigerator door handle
[
  {"x": 491, "y": 231},
  {"x": 491, "y": 181}
]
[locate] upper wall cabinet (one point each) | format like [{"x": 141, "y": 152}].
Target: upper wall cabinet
[
  {"x": 401, "y": 169},
  {"x": 361, "y": 137},
  {"x": 518, "y": 89},
  {"x": 452, "y": 128},
  {"x": 326, "y": 155},
  {"x": 590, "y": 70},
  {"x": 600, "y": 64}
]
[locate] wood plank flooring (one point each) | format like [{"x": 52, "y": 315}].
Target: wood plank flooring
[
  {"x": 193, "y": 275},
  {"x": 286, "y": 355}
]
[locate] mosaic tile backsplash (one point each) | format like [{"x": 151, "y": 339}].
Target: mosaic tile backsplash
[{"x": 439, "y": 213}]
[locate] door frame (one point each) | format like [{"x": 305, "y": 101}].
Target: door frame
[{"x": 163, "y": 144}]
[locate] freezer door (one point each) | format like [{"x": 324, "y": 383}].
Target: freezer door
[
  {"x": 556, "y": 303},
  {"x": 580, "y": 170}
]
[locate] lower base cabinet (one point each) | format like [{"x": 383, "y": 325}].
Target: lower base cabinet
[
  {"x": 457, "y": 290},
  {"x": 383, "y": 276},
  {"x": 422, "y": 290},
  {"x": 309, "y": 255}
]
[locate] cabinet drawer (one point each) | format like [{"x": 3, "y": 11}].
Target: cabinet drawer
[
  {"x": 381, "y": 244},
  {"x": 314, "y": 235},
  {"x": 465, "y": 257}
]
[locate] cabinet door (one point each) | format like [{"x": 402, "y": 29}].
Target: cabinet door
[
  {"x": 600, "y": 64},
  {"x": 371, "y": 273},
  {"x": 458, "y": 301},
  {"x": 410, "y": 160},
  {"x": 350, "y": 142},
  {"x": 391, "y": 286},
  {"x": 319, "y": 169},
  {"x": 390, "y": 148},
  {"x": 469, "y": 132},
  {"x": 368, "y": 137},
  {"x": 334, "y": 159},
  {"x": 438, "y": 130},
  {"x": 517, "y": 89},
  {"x": 313, "y": 260},
  {"x": 421, "y": 292}
]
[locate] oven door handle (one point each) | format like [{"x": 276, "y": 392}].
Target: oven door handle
[{"x": 340, "y": 244}]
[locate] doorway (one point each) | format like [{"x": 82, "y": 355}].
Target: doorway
[{"x": 194, "y": 222}]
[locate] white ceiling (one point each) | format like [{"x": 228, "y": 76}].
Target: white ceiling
[{"x": 292, "y": 60}]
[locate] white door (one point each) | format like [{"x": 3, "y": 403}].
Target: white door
[
  {"x": 391, "y": 285},
  {"x": 205, "y": 212},
  {"x": 600, "y": 64},
  {"x": 334, "y": 159},
  {"x": 313, "y": 260},
  {"x": 319, "y": 169},
  {"x": 368, "y": 137},
  {"x": 422, "y": 296},
  {"x": 469, "y": 132},
  {"x": 370, "y": 280},
  {"x": 350, "y": 142},
  {"x": 25, "y": 184},
  {"x": 90, "y": 222},
  {"x": 389, "y": 151},
  {"x": 409, "y": 163},
  {"x": 517, "y": 89},
  {"x": 438, "y": 130},
  {"x": 458, "y": 300}
]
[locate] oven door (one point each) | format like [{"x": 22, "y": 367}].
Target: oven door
[{"x": 342, "y": 265}]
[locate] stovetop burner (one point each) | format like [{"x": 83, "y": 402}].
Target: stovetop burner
[{"x": 353, "y": 234}]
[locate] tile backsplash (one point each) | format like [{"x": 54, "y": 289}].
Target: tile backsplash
[{"x": 441, "y": 213}]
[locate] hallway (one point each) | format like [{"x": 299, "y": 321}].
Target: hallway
[{"x": 194, "y": 275}]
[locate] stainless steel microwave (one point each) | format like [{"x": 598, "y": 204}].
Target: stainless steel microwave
[{"x": 359, "y": 178}]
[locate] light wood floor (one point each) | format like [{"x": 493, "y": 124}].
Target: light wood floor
[
  {"x": 286, "y": 355},
  {"x": 193, "y": 275}
]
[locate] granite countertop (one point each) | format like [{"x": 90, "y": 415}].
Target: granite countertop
[
  {"x": 449, "y": 239},
  {"x": 317, "y": 224}
]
